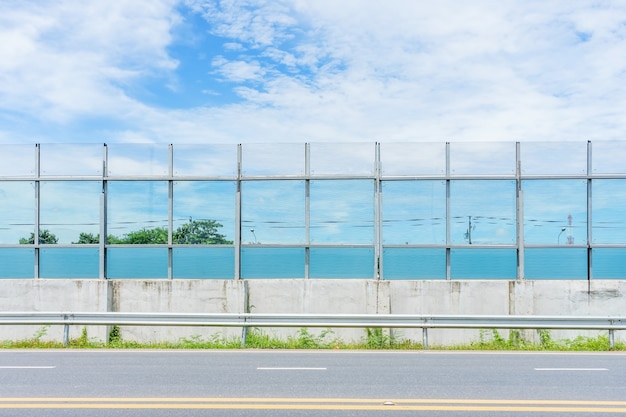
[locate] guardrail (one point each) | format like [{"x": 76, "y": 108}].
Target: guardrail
[{"x": 247, "y": 320}]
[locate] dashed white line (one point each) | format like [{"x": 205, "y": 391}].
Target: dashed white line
[
  {"x": 290, "y": 369},
  {"x": 26, "y": 367},
  {"x": 571, "y": 369}
]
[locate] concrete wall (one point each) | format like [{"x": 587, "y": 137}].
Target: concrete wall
[{"x": 306, "y": 296}]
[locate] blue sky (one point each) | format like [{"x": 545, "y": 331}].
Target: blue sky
[{"x": 194, "y": 71}]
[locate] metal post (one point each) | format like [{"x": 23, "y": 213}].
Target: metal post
[
  {"x": 66, "y": 334},
  {"x": 611, "y": 338},
  {"x": 425, "y": 338}
]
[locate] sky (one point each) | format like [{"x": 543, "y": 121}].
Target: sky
[{"x": 282, "y": 71}]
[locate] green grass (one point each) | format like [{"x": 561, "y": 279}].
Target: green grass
[{"x": 373, "y": 339}]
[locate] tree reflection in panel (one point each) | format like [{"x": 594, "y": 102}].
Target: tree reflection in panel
[
  {"x": 342, "y": 211},
  {"x": 137, "y": 212},
  {"x": 482, "y": 212},
  {"x": 414, "y": 212},
  {"x": 17, "y": 211},
  {"x": 273, "y": 212},
  {"x": 609, "y": 211},
  {"x": 70, "y": 210},
  {"x": 555, "y": 212}
]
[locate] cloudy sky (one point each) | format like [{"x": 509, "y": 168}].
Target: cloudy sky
[{"x": 197, "y": 71}]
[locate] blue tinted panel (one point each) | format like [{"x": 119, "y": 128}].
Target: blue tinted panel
[
  {"x": 483, "y": 264},
  {"x": 136, "y": 263},
  {"x": 272, "y": 262},
  {"x": 555, "y": 263},
  {"x": 342, "y": 263},
  {"x": 69, "y": 262},
  {"x": 414, "y": 263},
  {"x": 202, "y": 262},
  {"x": 609, "y": 263},
  {"x": 609, "y": 213},
  {"x": 17, "y": 263}
]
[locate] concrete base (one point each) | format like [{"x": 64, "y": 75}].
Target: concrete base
[{"x": 601, "y": 298}]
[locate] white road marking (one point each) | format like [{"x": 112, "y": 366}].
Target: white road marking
[
  {"x": 26, "y": 367},
  {"x": 290, "y": 369},
  {"x": 571, "y": 369}
]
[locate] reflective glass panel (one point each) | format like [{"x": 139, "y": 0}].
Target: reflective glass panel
[
  {"x": 483, "y": 263},
  {"x": 69, "y": 262},
  {"x": 608, "y": 211},
  {"x": 553, "y": 158},
  {"x": 607, "y": 157},
  {"x": 342, "y": 211},
  {"x": 17, "y": 262},
  {"x": 258, "y": 262},
  {"x": 482, "y": 158},
  {"x": 273, "y": 211},
  {"x": 203, "y": 262},
  {"x": 414, "y": 263},
  {"x": 609, "y": 263},
  {"x": 71, "y": 159},
  {"x": 17, "y": 160},
  {"x": 272, "y": 159},
  {"x": 341, "y": 263},
  {"x": 17, "y": 211},
  {"x": 414, "y": 212},
  {"x": 342, "y": 158},
  {"x": 125, "y": 262},
  {"x": 205, "y": 160},
  {"x": 482, "y": 212},
  {"x": 204, "y": 212},
  {"x": 137, "y": 212},
  {"x": 413, "y": 158},
  {"x": 137, "y": 159},
  {"x": 555, "y": 263},
  {"x": 548, "y": 205},
  {"x": 70, "y": 210}
]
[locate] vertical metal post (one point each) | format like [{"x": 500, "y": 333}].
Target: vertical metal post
[
  {"x": 238, "y": 217},
  {"x": 378, "y": 241},
  {"x": 519, "y": 221},
  {"x": 589, "y": 214},
  {"x": 611, "y": 338},
  {"x": 307, "y": 210},
  {"x": 425, "y": 338},
  {"x": 66, "y": 334},
  {"x": 37, "y": 207},
  {"x": 448, "y": 220},
  {"x": 103, "y": 214},
  {"x": 170, "y": 212}
]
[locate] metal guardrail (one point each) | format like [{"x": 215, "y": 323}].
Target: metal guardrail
[{"x": 247, "y": 320}]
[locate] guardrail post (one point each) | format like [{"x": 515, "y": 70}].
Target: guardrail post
[
  {"x": 66, "y": 334},
  {"x": 244, "y": 332},
  {"x": 611, "y": 338},
  {"x": 425, "y": 338}
]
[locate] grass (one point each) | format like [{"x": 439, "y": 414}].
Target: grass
[{"x": 373, "y": 339}]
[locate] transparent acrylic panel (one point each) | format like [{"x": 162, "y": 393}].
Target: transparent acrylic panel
[
  {"x": 146, "y": 263},
  {"x": 607, "y": 157},
  {"x": 209, "y": 206},
  {"x": 343, "y": 158},
  {"x": 205, "y": 160},
  {"x": 482, "y": 158},
  {"x": 17, "y": 160},
  {"x": 414, "y": 212},
  {"x": 136, "y": 208},
  {"x": 555, "y": 263},
  {"x": 483, "y": 263},
  {"x": 414, "y": 263},
  {"x": 548, "y": 205},
  {"x": 414, "y": 159},
  {"x": 553, "y": 158},
  {"x": 342, "y": 211},
  {"x": 137, "y": 159},
  {"x": 257, "y": 262},
  {"x": 273, "y": 211},
  {"x": 272, "y": 159},
  {"x": 203, "y": 262},
  {"x": 71, "y": 209},
  {"x": 17, "y": 211},
  {"x": 608, "y": 211},
  {"x": 482, "y": 212},
  {"x": 84, "y": 159},
  {"x": 69, "y": 263},
  {"x": 342, "y": 263},
  {"x": 17, "y": 262},
  {"x": 609, "y": 263}
]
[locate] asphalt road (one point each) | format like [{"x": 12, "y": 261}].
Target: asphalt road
[{"x": 310, "y": 383}]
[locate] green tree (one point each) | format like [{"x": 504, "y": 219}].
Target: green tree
[
  {"x": 85, "y": 238},
  {"x": 46, "y": 237},
  {"x": 146, "y": 236},
  {"x": 203, "y": 232}
]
